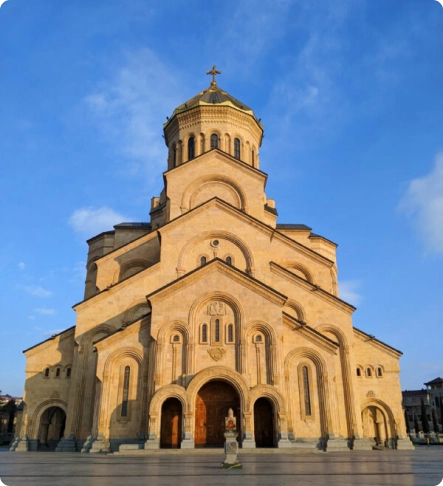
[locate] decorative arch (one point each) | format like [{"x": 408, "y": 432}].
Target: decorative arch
[
  {"x": 207, "y": 235},
  {"x": 136, "y": 312},
  {"x": 220, "y": 373},
  {"x": 298, "y": 267},
  {"x": 120, "y": 354},
  {"x": 297, "y": 308},
  {"x": 386, "y": 432},
  {"x": 128, "y": 269},
  {"x": 172, "y": 326},
  {"x": 271, "y": 393},
  {"x": 34, "y": 422},
  {"x": 168, "y": 391},
  {"x": 192, "y": 189},
  {"x": 321, "y": 371}
]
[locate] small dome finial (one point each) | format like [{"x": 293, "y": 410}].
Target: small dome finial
[{"x": 214, "y": 73}]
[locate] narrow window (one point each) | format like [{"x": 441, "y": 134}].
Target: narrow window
[
  {"x": 379, "y": 372},
  {"x": 214, "y": 141},
  {"x": 253, "y": 158},
  {"x": 258, "y": 338},
  {"x": 125, "y": 392},
  {"x": 57, "y": 372},
  {"x": 358, "y": 372},
  {"x": 203, "y": 260},
  {"x": 368, "y": 372},
  {"x": 47, "y": 373},
  {"x": 229, "y": 260},
  {"x": 204, "y": 333},
  {"x": 230, "y": 333},
  {"x": 191, "y": 148},
  {"x": 217, "y": 330},
  {"x": 306, "y": 391},
  {"x": 174, "y": 156},
  {"x": 237, "y": 148},
  {"x": 68, "y": 373},
  {"x": 176, "y": 338}
]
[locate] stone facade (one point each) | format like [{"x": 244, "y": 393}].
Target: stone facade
[{"x": 210, "y": 306}]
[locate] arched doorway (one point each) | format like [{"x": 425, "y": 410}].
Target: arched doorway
[
  {"x": 264, "y": 423},
  {"x": 374, "y": 426},
  {"x": 52, "y": 427},
  {"x": 212, "y": 405},
  {"x": 171, "y": 424}
]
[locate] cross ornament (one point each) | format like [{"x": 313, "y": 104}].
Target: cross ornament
[{"x": 214, "y": 73}]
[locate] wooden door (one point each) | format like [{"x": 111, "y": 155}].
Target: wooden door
[
  {"x": 213, "y": 402},
  {"x": 170, "y": 435},
  {"x": 263, "y": 423}
]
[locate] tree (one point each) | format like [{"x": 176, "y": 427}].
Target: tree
[
  {"x": 424, "y": 418},
  {"x": 416, "y": 427},
  {"x": 434, "y": 420},
  {"x": 407, "y": 422}
]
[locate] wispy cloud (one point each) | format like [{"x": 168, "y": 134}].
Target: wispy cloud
[
  {"x": 21, "y": 266},
  {"x": 423, "y": 203},
  {"x": 132, "y": 105},
  {"x": 92, "y": 221},
  {"x": 36, "y": 290},
  {"x": 45, "y": 311},
  {"x": 348, "y": 291},
  {"x": 53, "y": 332}
]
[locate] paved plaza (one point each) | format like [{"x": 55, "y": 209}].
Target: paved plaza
[{"x": 421, "y": 467}]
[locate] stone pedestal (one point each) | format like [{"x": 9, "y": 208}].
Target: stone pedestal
[
  {"x": 361, "y": 444},
  {"x": 231, "y": 450},
  {"x": 336, "y": 443},
  {"x": 21, "y": 444},
  {"x": 404, "y": 444}
]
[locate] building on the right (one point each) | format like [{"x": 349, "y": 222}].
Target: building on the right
[{"x": 429, "y": 402}]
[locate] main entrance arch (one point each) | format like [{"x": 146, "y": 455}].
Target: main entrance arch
[
  {"x": 171, "y": 424},
  {"x": 213, "y": 401},
  {"x": 375, "y": 426},
  {"x": 264, "y": 423},
  {"x": 52, "y": 426}
]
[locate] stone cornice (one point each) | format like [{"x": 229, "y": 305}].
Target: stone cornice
[
  {"x": 301, "y": 282},
  {"x": 368, "y": 338},
  {"x": 127, "y": 247},
  {"x": 225, "y": 157},
  {"x": 219, "y": 266},
  {"x": 311, "y": 334},
  {"x": 105, "y": 293},
  {"x": 37, "y": 348}
]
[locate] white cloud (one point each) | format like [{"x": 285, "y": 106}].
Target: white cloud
[
  {"x": 53, "y": 332},
  {"x": 348, "y": 292},
  {"x": 36, "y": 291},
  {"x": 131, "y": 107},
  {"x": 45, "y": 311},
  {"x": 423, "y": 203},
  {"x": 92, "y": 221},
  {"x": 21, "y": 266}
]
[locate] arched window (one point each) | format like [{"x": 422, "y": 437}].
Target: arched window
[
  {"x": 125, "y": 392},
  {"x": 379, "y": 372},
  {"x": 203, "y": 260},
  {"x": 57, "y": 373},
  {"x": 204, "y": 333},
  {"x": 358, "y": 372},
  {"x": 253, "y": 158},
  {"x": 47, "y": 373},
  {"x": 237, "y": 148},
  {"x": 229, "y": 260},
  {"x": 368, "y": 372},
  {"x": 191, "y": 148},
  {"x": 230, "y": 333},
  {"x": 214, "y": 141},
  {"x": 174, "y": 156},
  {"x": 217, "y": 330},
  {"x": 176, "y": 338},
  {"x": 68, "y": 373},
  {"x": 306, "y": 393}
]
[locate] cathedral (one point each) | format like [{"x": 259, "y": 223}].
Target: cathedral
[{"x": 211, "y": 306}]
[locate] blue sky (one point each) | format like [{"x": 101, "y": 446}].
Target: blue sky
[{"x": 349, "y": 92}]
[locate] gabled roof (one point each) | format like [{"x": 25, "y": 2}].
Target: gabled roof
[
  {"x": 218, "y": 264},
  {"x": 435, "y": 381},
  {"x": 50, "y": 339},
  {"x": 376, "y": 342}
]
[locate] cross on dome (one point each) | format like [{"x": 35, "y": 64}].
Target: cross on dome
[{"x": 214, "y": 73}]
